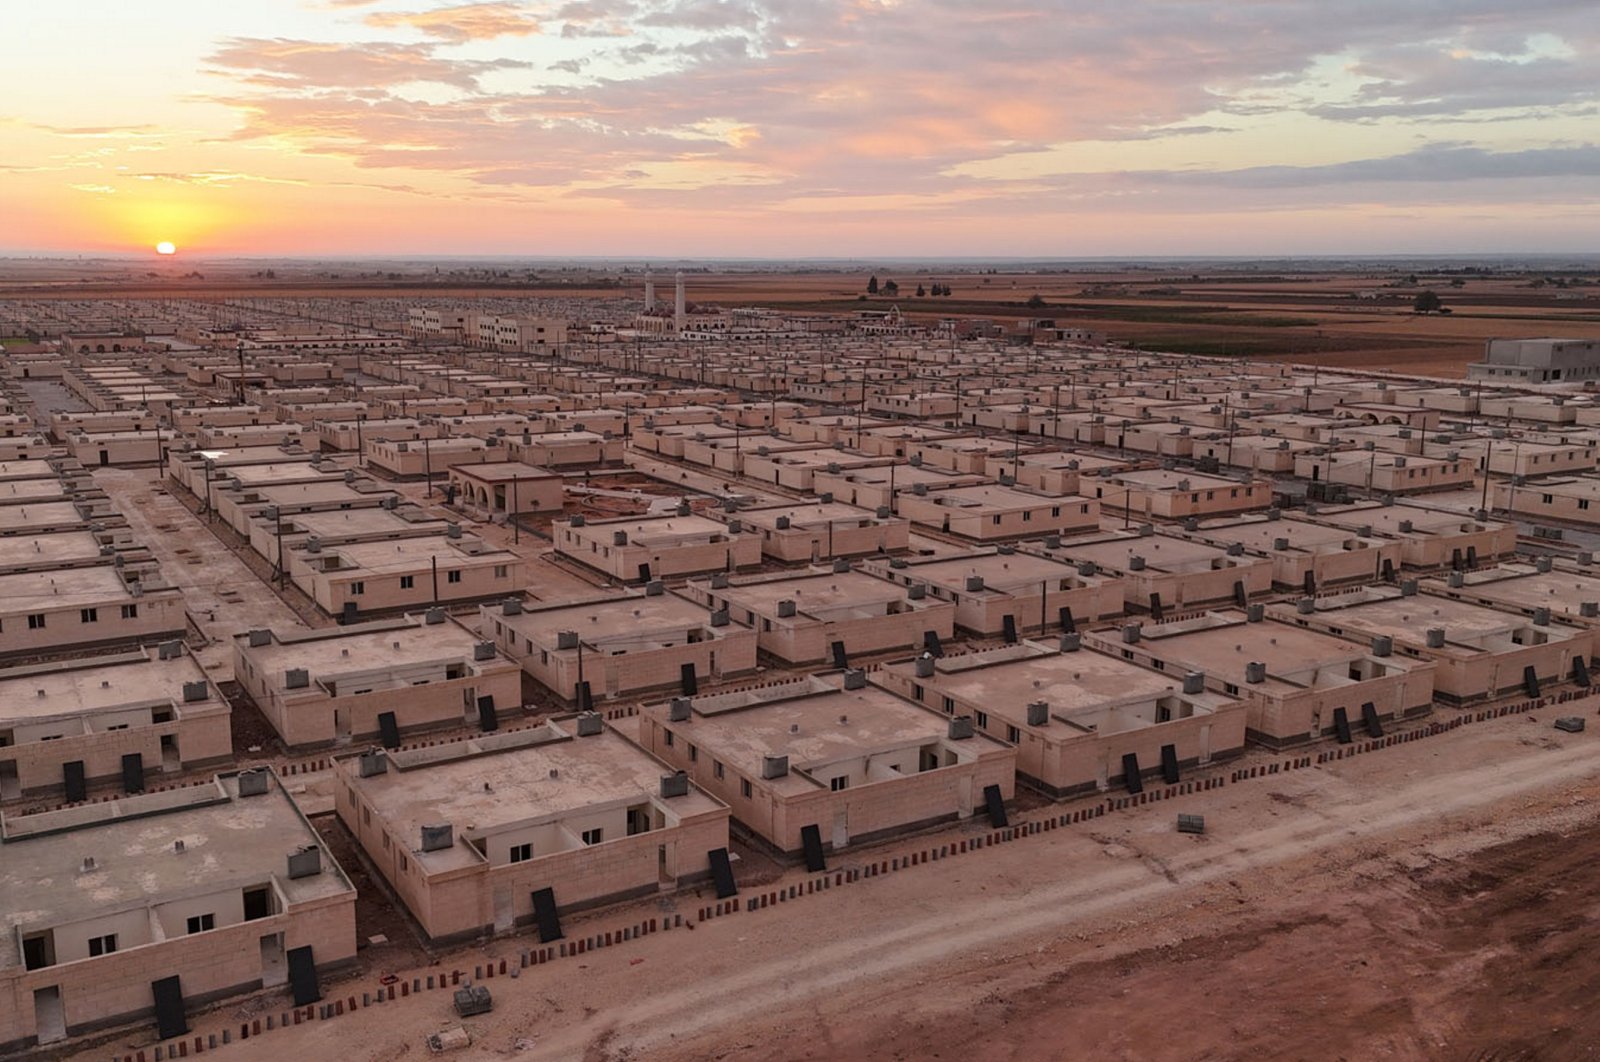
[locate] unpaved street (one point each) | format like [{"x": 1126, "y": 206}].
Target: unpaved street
[{"x": 1389, "y": 905}]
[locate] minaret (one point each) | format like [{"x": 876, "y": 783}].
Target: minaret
[
  {"x": 678, "y": 304},
  {"x": 649, "y": 292}
]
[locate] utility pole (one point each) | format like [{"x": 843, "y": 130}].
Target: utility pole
[{"x": 427, "y": 465}]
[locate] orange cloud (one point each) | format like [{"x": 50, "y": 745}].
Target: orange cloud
[{"x": 468, "y": 22}]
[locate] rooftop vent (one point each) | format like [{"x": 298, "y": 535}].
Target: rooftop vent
[
  {"x": 371, "y": 763},
  {"x": 433, "y": 616},
  {"x": 511, "y": 606},
  {"x": 305, "y": 862},
  {"x": 1071, "y": 642},
  {"x": 196, "y": 691},
  {"x": 1038, "y": 713},
  {"x": 674, "y": 785},
  {"x": 1435, "y": 637},
  {"x": 1130, "y": 633},
  {"x": 1382, "y": 646},
  {"x": 855, "y": 679},
  {"x": 786, "y": 608},
  {"x": 774, "y": 766},
  {"x": 253, "y": 782},
  {"x": 960, "y": 728},
  {"x": 680, "y": 710},
  {"x": 483, "y": 651},
  {"x": 296, "y": 678},
  {"x": 1194, "y": 682},
  {"x": 1255, "y": 672},
  {"x": 437, "y": 838}
]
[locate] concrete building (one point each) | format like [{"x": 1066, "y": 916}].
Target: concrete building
[
  {"x": 202, "y": 892},
  {"x": 1570, "y": 592},
  {"x": 52, "y": 612},
  {"x": 991, "y": 513},
  {"x": 467, "y": 833},
  {"x": 564, "y": 449},
  {"x": 1076, "y": 716},
  {"x": 1294, "y": 681},
  {"x": 327, "y": 686},
  {"x": 1570, "y": 499},
  {"x": 801, "y": 619},
  {"x": 1375, "y": 470},
  {"x": 874, "y": 488},
  {"x": 1478, "y": 653},
  {"x": 356, "y": 579},
  {"x": 403, "y": 459},
  {"x": 1000, "y": 590},
  {"x": 822, "y": 530},
  {"x": 664, "y": 547},
  {"x": 1300, "y": 550},
  {"x": 618, "y": 645},
  {"x": 66, "y": 726},
  {"x": 1538, "y": 361},
  {"x": 849, "y": 761},
  {"x": 1163, "y": 494},
  {"x": 506, "y": 488},
  {"x": 1158, "y": 572},
  {"x": 1428, "y": 538}
]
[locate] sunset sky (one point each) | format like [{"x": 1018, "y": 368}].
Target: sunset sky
[{"x": 782, "y": 128}]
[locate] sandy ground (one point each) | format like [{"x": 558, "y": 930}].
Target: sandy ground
[{"x": 1432, "y": 900}]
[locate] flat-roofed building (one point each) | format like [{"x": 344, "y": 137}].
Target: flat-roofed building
[
  {"x": 801, "y": 618},
  {"x": 507, "y": 488},
  {"x": 1158, "y": 572},
  {"x": 277, "y": 536},
  {"x": 1000, "y": 590},
  {"x": 1300, "y": 550},
  {"x": 564, "y": 449},
  {"x": 988, "y": 513},
  {"x": 1478, "y": 653},
  {"x": 1428, "y": 538},
  {"x": 1167, "y": 494},
  {"x": 466, "y": 833},
  {"x": 325, "y": 686},
  {"x": 1074, "y": 715},
  {"x": 1375, "y": 470},
  {"x": 218, "y": 887},
  {"x": 70, "y": 724},
  {"x": 1293, "y": 680},
  {"x": 352, "y": 435},
  {"x": 873, "y": 488},
  {"x": 406, "y": 459},
  {"x": 662, "y": 547},
  {"x": 51, "y": 612},
  {"x": 352, "y": 579},
  {"x": 240, "y": 507},
  {"x": 813, "y": 531},
  {"x": 849, "y": 760},
  {"x": 618, "y": 645},
  {"x": 1538, "y": 361},
  {"x": 1574, "y": 499},
  {"x": 1570, "y": 592},
  {"x": 796, "y": 469}
]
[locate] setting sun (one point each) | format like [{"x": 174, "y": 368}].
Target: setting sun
[{"x": 166, "y": 247}]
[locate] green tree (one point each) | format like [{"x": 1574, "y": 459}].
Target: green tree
[
  {"x": 1036, "y": 301},
  {"x": 921, "y": 291},
  {"x": 872, "y": 285},
  {"x": 1427, "y": 302},
  {"x": 890, "y": 288}
]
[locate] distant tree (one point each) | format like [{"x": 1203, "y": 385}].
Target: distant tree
[
  {"x": 1458, "y": 283},
  {"x": 872, "y": 285},
  {"x": 947, "y": 289},
  {"x": 922, "y": 291},
  {"x": 1036, "y": 301},
  {"x": 1427, "y": 302},
  {"x": 890, "y": 288}
]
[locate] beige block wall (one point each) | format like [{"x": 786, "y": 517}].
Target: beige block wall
[
  {"x": 947, "y": 792},
  {"x": 985, "y": 613},
  {"x": 201, "y": 739},
  {"x": 1093, "y": 760},
  {"x": 116, "y": 987},
  {"x": 802, "y": 640},
  {"x": 799, "y": 545},
  {"x": 161, "y": 614},
  {"x": 330, "y": 590},
  {"x": 1461, "y": 679}
]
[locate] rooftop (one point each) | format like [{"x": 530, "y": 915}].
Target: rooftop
[{"x": 228, "y": 841}]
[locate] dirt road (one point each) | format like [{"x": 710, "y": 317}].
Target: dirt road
[{"x": 1429, "y": 900}]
